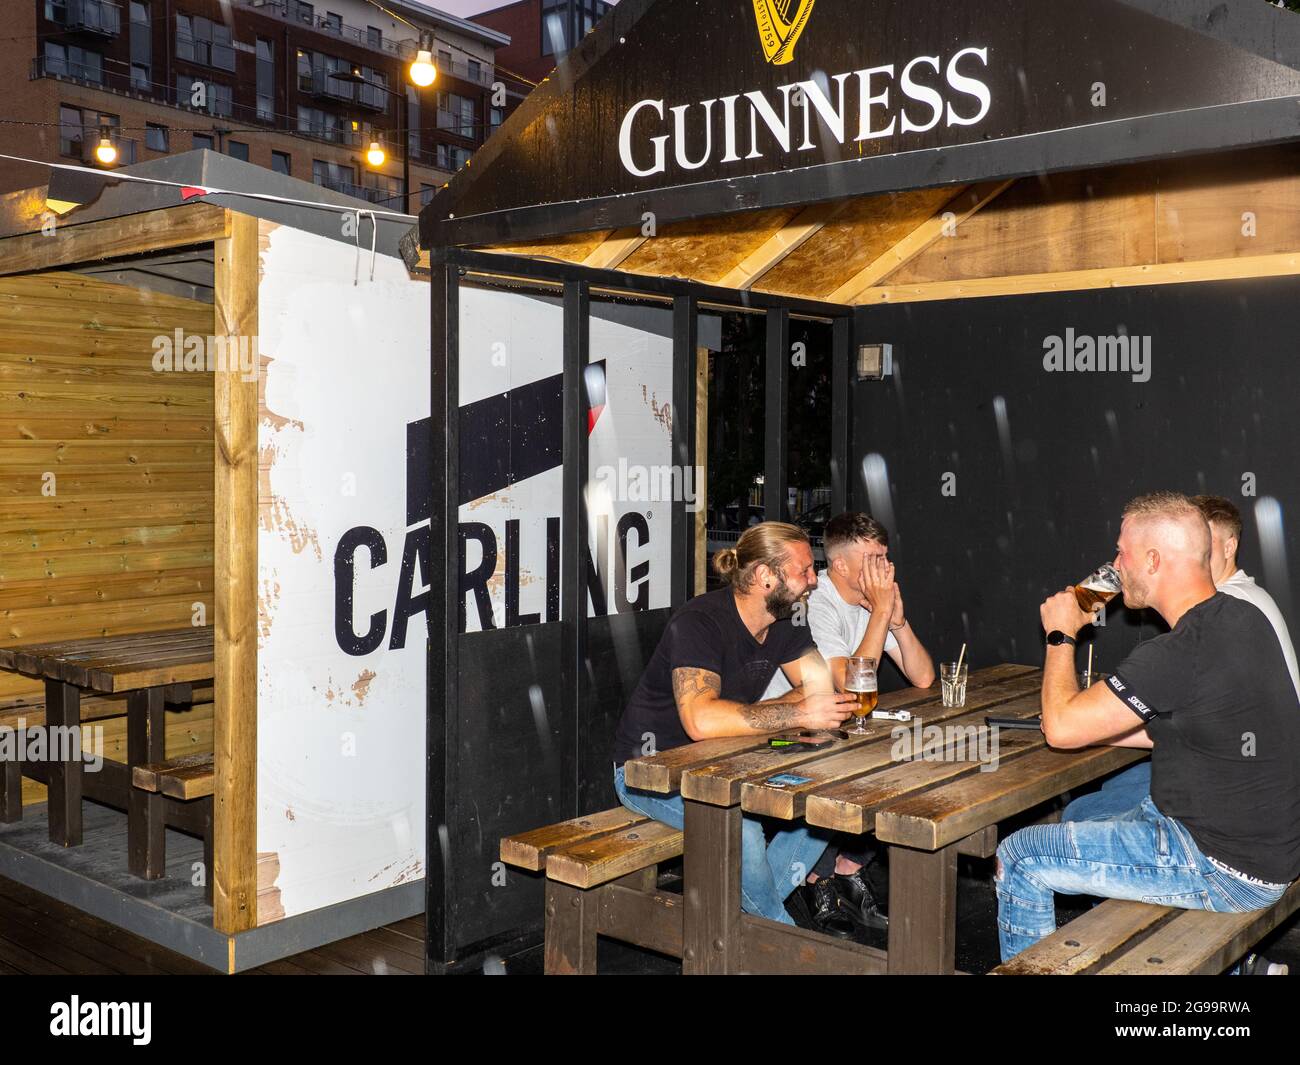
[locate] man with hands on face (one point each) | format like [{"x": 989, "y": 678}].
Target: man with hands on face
[
  {"x": 1212, "y": 698},
  {"x": 706, "y": 679},
  {"x": 857, "y": 610}
]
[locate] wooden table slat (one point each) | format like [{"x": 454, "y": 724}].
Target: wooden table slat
[
  {"x": 720, "y": 783},
  {"x": 953, "y": 811},
  {"x": 662, "y": 772},
  {"x": 787, "y": 802}
]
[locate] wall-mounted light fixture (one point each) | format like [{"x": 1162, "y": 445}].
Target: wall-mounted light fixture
[{"x": 875, "y": 361}]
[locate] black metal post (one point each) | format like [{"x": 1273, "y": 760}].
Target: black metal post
[
  {"x": 841, "y": 398},
  {"x": 573, "y": 539},
  {"x": 443, "y": 682},
  {"x": 776, "y": 500},
  {"x": 685, "y": 335}
]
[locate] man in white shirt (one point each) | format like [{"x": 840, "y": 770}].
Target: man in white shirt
[
  {"x": 1127, "y": 789},
  {"x": 856, "y": 610},
  {"x": 1225, "y": 536}
]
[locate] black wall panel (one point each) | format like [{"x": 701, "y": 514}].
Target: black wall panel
[{"x": 1044, "y": 461}]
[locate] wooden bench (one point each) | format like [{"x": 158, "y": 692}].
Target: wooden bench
[
  {"x": 191, "y": 778},
  {"x": 1122, "y": 938},
  {"x": 601, "y": 879}
]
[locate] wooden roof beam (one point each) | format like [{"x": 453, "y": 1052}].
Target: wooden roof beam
[
  {"x": 795, "y": 233},
  {"x": 965, "y": 203},
  {"x": 617, "y": 247}
]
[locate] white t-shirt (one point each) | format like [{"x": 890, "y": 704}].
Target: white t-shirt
[
  {"x": 837, "y": 628},
  {"x": 1242, "y": 586}
]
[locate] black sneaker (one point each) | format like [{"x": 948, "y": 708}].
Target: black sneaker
[
  {"x": 1258, "y": 965},
  {"x": 858, "y": 901},
  {"x": 827, "y": 914}
]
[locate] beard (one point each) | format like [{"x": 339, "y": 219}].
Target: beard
[
  {"x": 781, "y": 600},
  {"x": 1134, "y": 592}
]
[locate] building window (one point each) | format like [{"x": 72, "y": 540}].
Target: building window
[
  {"x": 202, "y": 140},
  {"x": 426, "y": 193},
  {"x": 141, "y": 33},
  {"x": 140, "y": 80},
  {"x": 155, "y": 137},
  {"x": 265, "y": 79},
  {"x": 71, "y": 62},
  {"x": 237, "y": 150},
  {"x": 216, "y": 99},
  {"x": 336, "y": 176},
  {"x": 456, "y": 113},
  {"x": 303, "y": 12},
  {"x": 201, "y": 40},
  {"x": 57, "y": 11},
  {"x": 374, "y": 37},
  {"x": 498, "y": 115},
  {"x": 280, "y": 162},
  {"x": 554, "y": 39},
  {"x": 380, "y": 188},
  {"x": 71, "y": 131},
  {"x": 333, "y": 22},
  {"x": 304, "y": 70},
  {"x": 475, "y": 70}
]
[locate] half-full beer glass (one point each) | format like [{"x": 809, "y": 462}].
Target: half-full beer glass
[
  {"x": 1097, "y": 589},
  {"x": 860, "y": 680}
]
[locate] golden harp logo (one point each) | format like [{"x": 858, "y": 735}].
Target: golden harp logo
[{"x": 779, "y": 28}]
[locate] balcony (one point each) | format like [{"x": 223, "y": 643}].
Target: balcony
[
  {"x": 44, "y": 66},
  {"x": 325, "y": 86},
  {"x": 372, "y": 97},
  {"x": 292, "y": 11},
  {"x": 99, "y": 17}
]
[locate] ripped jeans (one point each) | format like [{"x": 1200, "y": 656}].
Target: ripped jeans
[
  {"x": 769, "y": 872},
  {"x": 1139, "y": 854}
]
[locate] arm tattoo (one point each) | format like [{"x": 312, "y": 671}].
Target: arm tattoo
[
  {"x": 690, "y": 683},
  {"x": 768, "y": 717}
]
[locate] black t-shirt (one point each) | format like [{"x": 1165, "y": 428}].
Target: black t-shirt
[
  {"x": 1224, "y": 721},
  {"x": 706, "y": 633}
]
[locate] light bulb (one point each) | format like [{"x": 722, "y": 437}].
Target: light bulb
[
  {"x": 375, "y": 155},
  {"x": 422, "y": 69},
  {"x": 105, "y": 152}
]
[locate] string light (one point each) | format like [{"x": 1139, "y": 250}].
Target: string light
[
  {"x": 106, "y": 151},
  {"x": 422, "y": 70},
  {"x": 375, "y": 155}
]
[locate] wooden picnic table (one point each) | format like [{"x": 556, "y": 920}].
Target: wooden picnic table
[
  {"x": 152, "y": 668},
  {"x": 926, "y": 811}
]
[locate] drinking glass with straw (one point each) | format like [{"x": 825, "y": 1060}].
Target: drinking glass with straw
[{"x": 952, "y": 677}]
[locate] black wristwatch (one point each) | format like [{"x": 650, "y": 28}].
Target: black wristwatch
[{"x": 1056, "y": 637}]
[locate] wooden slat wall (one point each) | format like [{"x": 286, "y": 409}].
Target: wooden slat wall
[{"x": 126, "y": 542}]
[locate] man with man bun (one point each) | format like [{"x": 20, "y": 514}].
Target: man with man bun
[{"x": 706, "y": 679}]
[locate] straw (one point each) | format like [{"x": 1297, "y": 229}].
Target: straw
[
  {"x": 960, "y": 658},
  {"x": 1089, "y": 674}
]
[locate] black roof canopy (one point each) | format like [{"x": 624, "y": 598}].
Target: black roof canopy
[{"x": 692, "y": 108}]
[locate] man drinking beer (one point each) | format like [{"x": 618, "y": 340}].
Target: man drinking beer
[
  {"x": 1213, "y": 700},
  {"x": 706, "y": 679},
  {"x": 1125, "y": 790}
]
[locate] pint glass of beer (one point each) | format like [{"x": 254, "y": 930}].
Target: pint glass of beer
[
  {"x": 860, "y": 680},
  {"x": 1097, "y": 589}
]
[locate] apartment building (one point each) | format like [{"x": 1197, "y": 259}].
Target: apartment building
[
  {"x": 301, "y": 88},
  {"x": 541, "y": 32}
]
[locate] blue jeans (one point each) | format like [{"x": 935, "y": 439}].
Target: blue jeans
[
  {"x": 1118, "y": 795},
  {"x": 1140, "y": 854},
  {"x": 768, "y": 872}
]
